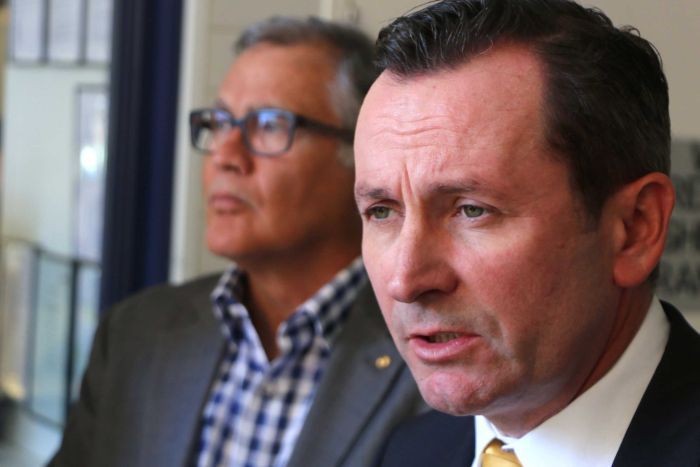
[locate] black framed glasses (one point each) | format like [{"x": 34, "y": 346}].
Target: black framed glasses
[{"x": 265, "y": 132}]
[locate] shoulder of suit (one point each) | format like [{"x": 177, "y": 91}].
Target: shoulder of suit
[{"x": 163, "y": 304}]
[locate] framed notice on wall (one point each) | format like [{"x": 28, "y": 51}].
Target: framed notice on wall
[
  {"x": 679, "y": 280},
  {"x": 27, "y": 30},
  {"x": 65, "y": 30}
]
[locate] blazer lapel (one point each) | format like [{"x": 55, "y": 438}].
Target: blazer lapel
[
  {"x": 432, "y": 439},
  {"x": 664, "y": 430},
  {"x": 185, "y": 360},
  {"x": 362, "y": 367}
]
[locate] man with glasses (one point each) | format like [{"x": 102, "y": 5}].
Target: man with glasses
[{"x": 283, "y": 360}]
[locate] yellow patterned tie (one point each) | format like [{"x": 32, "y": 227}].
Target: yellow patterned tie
[{"x": 494, "y": 456}]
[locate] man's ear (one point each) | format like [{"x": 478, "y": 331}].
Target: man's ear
[{"x": 641, "y": 212}]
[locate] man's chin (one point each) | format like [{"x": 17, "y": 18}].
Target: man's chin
[
  {"x": 224, "y": 248},
  {"x": 453, "y": 394}
]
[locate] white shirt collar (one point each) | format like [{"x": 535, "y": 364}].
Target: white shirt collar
[{"x": 589, "y": 431}]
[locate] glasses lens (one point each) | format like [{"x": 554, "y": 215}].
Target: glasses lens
[
  {"x": 269, "y": 131},
  {"x": 204, "y": 125}
]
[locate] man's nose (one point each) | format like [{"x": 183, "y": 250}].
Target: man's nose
[
  {"x": 230, "y": 152},
  {"x": 420, "y": 266}
]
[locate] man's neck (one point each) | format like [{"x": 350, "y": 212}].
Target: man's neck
[
  {"x": 633, "y": 307},
  {"x": 277, "y": 288}
]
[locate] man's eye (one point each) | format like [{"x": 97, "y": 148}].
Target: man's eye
[
  {"x": 379, "y": 212},
  {"x": 218, "y": 124},
  {"x": 472, "y": 211},
  {"x": 271, "y": 124}
]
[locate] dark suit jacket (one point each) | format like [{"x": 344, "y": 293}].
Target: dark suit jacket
[
  {"x": 665, "y": 430},
  {"x": 152, "y": 364}
]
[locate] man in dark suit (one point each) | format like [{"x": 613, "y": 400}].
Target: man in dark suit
[
  {"x": 512, "y": 166},
  {"x": 283, "y": 360}
]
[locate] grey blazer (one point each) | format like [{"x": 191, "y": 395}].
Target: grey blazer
[{"x": 152, "y": 364}]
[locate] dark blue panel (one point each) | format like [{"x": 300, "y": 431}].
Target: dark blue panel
[{"x": 143, "y": 108}]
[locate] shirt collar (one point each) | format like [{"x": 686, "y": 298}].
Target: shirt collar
[
  {"x": 588, "y": 432},
  {"x": 330, "y": 304},
  {"x": 326, "y": 309}
]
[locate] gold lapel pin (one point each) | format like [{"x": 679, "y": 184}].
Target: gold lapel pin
[{"x": 382, "y": 362}]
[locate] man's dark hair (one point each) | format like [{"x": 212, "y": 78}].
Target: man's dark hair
[
  {"x": 352, "y": 48},
  {"x": 606, "y": 97}
]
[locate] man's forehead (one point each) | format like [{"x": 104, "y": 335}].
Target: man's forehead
[
  {"x": 489, "y": 93},
  {"x": 303, "y": 50},
  {"x": 468, "y": 129},
  {"x": 295, "y": 63},
  {"x": 296, "y": 77},
  {"x": 511, "y": 72}
]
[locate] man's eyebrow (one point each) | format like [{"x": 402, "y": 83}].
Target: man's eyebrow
[
  {"x": 365, "y": 191},
  {"x": 452, "y": 188},
  {"x": 442, "y": 188}
]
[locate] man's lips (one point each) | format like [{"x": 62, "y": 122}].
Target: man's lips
[
  {"x": 440, "y": 337},
  {"x": 441, "y": 346},
  {"x": 226, "y": 202},
  {"x": 225, "y": 196}
]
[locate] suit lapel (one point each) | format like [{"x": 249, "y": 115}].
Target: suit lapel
[
  {"x": 432, "y": 439},
  {"x": 456, "y": 440},
  {"x": 186, "y": 357},
  {"x": 338, "y": 415},
  {"x": 664, "y": 430}
]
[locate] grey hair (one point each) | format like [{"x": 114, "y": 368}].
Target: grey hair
[{"x": 354, "y": 53}]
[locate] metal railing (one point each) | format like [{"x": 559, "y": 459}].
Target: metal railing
[{"x": 48, "y": 314}]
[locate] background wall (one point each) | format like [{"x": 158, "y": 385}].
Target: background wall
[{"x": 41, "y": 168}]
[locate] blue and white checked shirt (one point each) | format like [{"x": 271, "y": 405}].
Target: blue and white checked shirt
[{"x": 257, "y": 408}]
